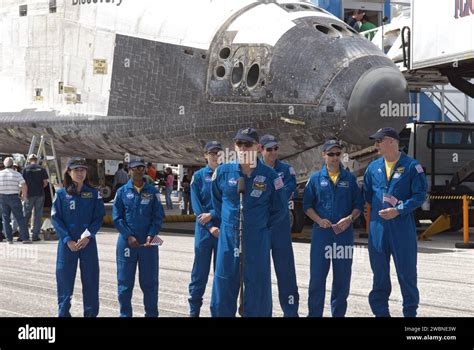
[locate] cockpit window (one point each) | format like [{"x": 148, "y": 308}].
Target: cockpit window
[
  {"x": 237, "y": 73},
  {"x": 23, "y": 10},
  {"x": 326, "y": 30},
  {"x": 52, "y": 6}
]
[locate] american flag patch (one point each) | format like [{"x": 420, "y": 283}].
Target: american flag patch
[
  {"x": 419, "y": 168},
  {"x": 156, "y": 241},
  {"x": 390, "y": 199},
  {"x": 278, "y": 183},
  {"x": 292, "y": 171}
]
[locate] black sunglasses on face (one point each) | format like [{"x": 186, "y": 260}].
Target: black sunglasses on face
[
  {"x": 272, "y": 149},
  {"x": 139, "y": 168},
  {"x": 246, "y": 144},
  {"x": 337, "y": 154}
]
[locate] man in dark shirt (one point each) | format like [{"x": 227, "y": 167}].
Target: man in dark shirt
[
  {"x": 186, "y": 183},
  {"x": 120, "y": 177},
  {"x": 355, "y": 21},
  {"x": 36, "y": 179}
]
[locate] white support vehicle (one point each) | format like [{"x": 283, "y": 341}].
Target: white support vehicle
[{"x": 432, "y": 44}]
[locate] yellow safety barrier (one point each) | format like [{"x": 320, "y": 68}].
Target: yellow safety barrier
[
  {"x": 465, "y": 214},
  {"x": 441, "y": 224},
  {"x": 180, "y": 218},
  {"x": 465, "y": 219},
  {"x": 452, "y": 197},
  {"x": 108, "y": 220}
]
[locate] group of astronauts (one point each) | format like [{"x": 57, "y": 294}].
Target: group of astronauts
[{"x": 394, "y": 186}]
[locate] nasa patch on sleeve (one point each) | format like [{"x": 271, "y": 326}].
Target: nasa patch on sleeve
[{"x": 278, "y": 183}]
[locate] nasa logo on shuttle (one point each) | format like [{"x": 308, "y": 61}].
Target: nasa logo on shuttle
[{"x": 88, "y": 2}]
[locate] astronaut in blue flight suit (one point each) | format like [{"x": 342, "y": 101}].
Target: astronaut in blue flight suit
[
  {"x": 264, "y": 203},
  {"x": 332, "y": 199},
  {"x": 281, "y": 246},
  {"x": 77, "y": 214},
  {"x": 138, "y": 215},
  {"x": 394, "y": 186},
  {"x": 206, "y": 229}
]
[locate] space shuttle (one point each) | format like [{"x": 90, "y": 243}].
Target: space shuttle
[{"x": 159, "y": 78}]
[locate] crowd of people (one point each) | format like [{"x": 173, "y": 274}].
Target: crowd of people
[
  {"x": 394, "y": 186},
  {"x": 30, "y": 183},
  {"x": 242, "y": 223}
]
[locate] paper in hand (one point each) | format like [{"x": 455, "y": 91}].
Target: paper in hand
[
  {"x": 336, "y": 229},
  {"x": 156, "y": 241},
  {"x": 86, "y": 234}
]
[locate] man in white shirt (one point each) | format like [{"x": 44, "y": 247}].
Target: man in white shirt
[{"x": 10, "y": 183}]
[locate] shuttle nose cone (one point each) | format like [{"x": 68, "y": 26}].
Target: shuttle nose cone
[{"x": 376, "y": 102}]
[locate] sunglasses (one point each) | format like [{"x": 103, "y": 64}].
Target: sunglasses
[
  {"x": 336, "y": 154},
  {"x": 139, "y": 168},
  {"x": 246, "y": 144},
  {"x": 272, "y": 149}
]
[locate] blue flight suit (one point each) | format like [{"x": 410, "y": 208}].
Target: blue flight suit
[
  {"x": 264, "y": 203},
  {"x": 71, "y": 215},
  {"x": 139, "y": 215},
  {"x": 204, "y": 242},
  {"x": 332, "y": 202},
  {"x": 396, "y": 237},
  {"x": 282, "y": 248}
]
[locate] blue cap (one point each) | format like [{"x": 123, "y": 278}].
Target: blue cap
[
  {"x": 213, "y": 145},
  {"x": 247, "y": 134},
  {"x": 381, "y": 133},
  {"x": 331, "y": 144},
  {"x": 76, "y": 162},
  {"x": 268, "y": 141},
  {"x": 136, "y": 161}
]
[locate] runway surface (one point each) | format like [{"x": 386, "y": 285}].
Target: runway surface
[{"x": 28, "y": 283}]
